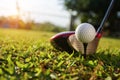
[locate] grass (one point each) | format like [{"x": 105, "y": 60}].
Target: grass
[
  {"x": 29, "y": 55},
  {"x": 108, "y": 42}
]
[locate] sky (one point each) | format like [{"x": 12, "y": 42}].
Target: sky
[{"x": 37, "y": 10}]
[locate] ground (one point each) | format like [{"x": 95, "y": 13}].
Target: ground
[{"x": 26, "y": 54}]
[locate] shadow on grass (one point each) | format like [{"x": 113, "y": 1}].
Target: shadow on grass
[{"x": 108, "y": 59}]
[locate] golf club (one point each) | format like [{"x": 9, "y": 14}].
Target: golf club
[
  {"x": 92, "y": 46},
  {"x": 60, "y": 41},
  {"x": 74, "y": 44},
  {"x": 99, "y": 30}
]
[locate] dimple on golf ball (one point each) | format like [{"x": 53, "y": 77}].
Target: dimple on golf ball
[{"x": 85, "y": 32}]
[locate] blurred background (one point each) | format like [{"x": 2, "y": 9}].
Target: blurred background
[{"x": 58, "y": 15}]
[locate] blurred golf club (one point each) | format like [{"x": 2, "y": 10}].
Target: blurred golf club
[{"x": 68, "y": 42}]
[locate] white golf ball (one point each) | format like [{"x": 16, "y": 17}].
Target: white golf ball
[{"x": 85, "y": 32}]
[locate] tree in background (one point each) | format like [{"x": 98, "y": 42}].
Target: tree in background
[
  {"x": 92, "y": 11},
  {"x": 49, "y": 27}
]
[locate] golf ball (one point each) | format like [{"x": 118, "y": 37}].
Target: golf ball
[{"x": 85, "y": 32}]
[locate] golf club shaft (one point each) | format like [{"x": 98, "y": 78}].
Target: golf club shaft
[{"x": 99, "y": 30}]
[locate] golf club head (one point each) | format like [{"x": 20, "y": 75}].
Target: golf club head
[
  {"x": 60, "y": 41},
  {"x": 78, "y": 46}
]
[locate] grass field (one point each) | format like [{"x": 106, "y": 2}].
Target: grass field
[{"x": 28, "y": 55}]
